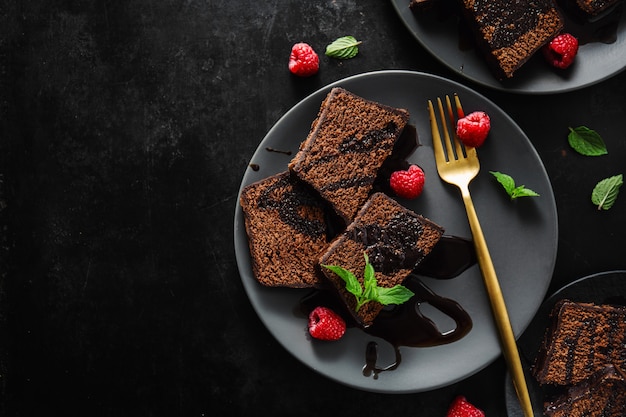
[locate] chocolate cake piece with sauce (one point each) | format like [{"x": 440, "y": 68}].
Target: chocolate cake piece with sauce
[
  {"x": 286, "y": 228},
  {"x": 348, "y": 143},
  {"x": 602, "y": 395},
  {"x": 510, "y": 32},
  {"x": 395, "y": 239},
  {"x": 583, "y": 339}
]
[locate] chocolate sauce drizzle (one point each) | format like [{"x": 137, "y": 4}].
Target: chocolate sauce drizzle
[
  {"x": 284, "y": 152},
  {"x": 385, "y": 245},
  {"x": 370, "y": 141},
  {"x": 289, "y": 206},
  {"x": 406, "y": 324},
  {"x": 352, "y": 182}
]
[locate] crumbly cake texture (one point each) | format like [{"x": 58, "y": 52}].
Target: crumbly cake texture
[
  {"x": 395, "y": 239},
  {"x": 346, "y": 146},
  {"x": 508, "y": 40},
  {"x": 285, "y": 224},
  {"x": 582, "y": 340},
  {"x": 602, "y": 395}
]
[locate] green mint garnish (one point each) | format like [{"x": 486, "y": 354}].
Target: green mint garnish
[
  {"x": 586, "y": 141},
  {"x": 509, "y": 185},
  {"x": 605, "y": 192},
  {"x": 343, "y": 48},
  {"x": 370, "y": 291}
]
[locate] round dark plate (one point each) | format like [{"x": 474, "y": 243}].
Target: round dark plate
[
  {"x": 605, "y": 287},
  {"x": 522, "y": 236},
  {"x": 595, "y": 61}
]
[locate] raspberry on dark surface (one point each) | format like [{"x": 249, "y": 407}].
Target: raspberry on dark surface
[{"x": 303, "y": 60}]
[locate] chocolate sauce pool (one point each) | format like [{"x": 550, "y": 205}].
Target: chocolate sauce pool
[{"x": 406, "y": 324}]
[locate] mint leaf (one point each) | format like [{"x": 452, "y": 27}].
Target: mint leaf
[
  {"x": 343, "y": 48},
  {"x": 605, "y": 192},
  {"x": 507, "y": 181},
  {"x": 522, "y": 191},
  {"x": 509, "y": 186},
  {"x": 372, "y": 292},
  {"x": 394, "y": 295},
  {"x": 352, "y": 284},
  {"x": 369, "y": 280},
  {"x": 586, "y": 141}
]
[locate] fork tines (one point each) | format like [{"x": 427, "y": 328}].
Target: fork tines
[{"x": 453, "y": 148}]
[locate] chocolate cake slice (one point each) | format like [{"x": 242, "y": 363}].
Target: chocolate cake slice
[
  {"x": 602, "y": 395},
  {"x": 509, "y": 32},
  {"x": 395, "y": 239},
  {"x": 583, "y": 339},
  {"x": 346, "y": 146},
  {"x": 285, "y": 224}
]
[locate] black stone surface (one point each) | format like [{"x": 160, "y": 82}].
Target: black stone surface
[{"x": 126, "y": 127}]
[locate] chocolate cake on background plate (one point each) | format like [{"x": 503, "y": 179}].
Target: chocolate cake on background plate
[
  {"x": 581, "y": 362},
  {"x": 510, "y": 32},
  {"x": 582, "y": 340},
  {"x": 395, "y": 239},
  {"x": 348, "y": 143},
  {"x": 602, "y": 395}
]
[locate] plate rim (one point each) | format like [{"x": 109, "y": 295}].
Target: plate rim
[{"x": 494, "y": 84}]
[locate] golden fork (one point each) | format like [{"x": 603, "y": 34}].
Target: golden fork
[{"x": 459, "y": 165}]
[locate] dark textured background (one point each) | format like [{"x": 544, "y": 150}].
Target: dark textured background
[{"x": 126, "y": 127}]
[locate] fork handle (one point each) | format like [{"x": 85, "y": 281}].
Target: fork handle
[{"x": 498, "y": 306}]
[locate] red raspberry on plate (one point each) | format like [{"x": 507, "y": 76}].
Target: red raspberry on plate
[
  {"x": 325, "y": 324},
  {"x": 303, "y": 60},
  {"x": 473, "y": 129},
  {"x": 561, "y": 51},
  {"x": 460, "y": 407},
  {"x": 408, "y": 184}
]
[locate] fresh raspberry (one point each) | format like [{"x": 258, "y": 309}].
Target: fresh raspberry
[
  {"x": 408, "y": 184},
  {"x": 561, "y": 51},
  {"x": 325, "y": 324},
  {"x": 303, "y": 60},
  {"x": 473, "y": 129},
  {"x": 460, "y": 407}
]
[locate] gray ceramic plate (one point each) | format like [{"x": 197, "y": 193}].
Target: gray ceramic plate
[
  {"x": 595, "y": 61},
  {"x": 605, "y": 287},
  {"x": 522, "y": 236}
]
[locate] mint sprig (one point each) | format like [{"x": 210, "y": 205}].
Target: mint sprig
[
  {"x": 586, "y": 141},
  {"x": 370, "y": 291},
  {"x": 343, "y": 48},
  {"x": 605, "y": 192},
  {"x": 511, "y": 189}
]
